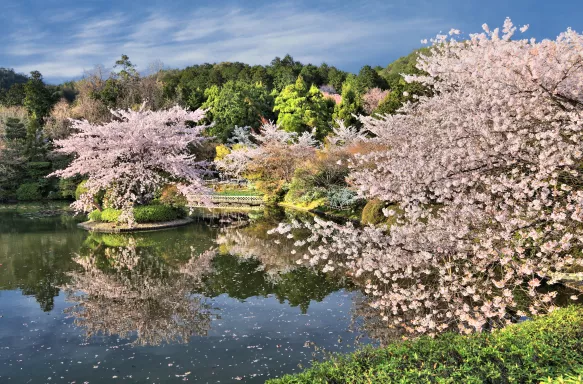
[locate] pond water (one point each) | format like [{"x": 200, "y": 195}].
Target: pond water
[{"x": 200, "y": 303}]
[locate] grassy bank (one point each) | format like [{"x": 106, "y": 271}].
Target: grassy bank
[{"x": 530, "y": 352}]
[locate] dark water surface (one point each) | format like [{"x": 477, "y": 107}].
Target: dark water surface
[{"x": 155, "y": 307}]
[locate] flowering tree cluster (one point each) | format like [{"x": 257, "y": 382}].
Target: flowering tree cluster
[
  {"x": 485, "y": 177},
  {"x": 134, "y": 155},
  {"x": 275, "y": 156},
  {"x": 372, "y": 98}
]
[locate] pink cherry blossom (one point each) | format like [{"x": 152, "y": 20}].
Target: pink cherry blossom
[{"x": 134, "y": 155}]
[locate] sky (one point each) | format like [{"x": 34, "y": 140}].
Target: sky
[{"x": 64, "y": 38}]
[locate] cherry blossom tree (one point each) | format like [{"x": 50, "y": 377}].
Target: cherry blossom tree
[
  {"x": 482, "y": 182},
  {"x": 372, "y": 98},
  {"x": 134, "y": 155},
  {"x": 276, "y": 155}
]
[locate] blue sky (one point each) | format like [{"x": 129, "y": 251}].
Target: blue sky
[{"x": 63, "y": 38}]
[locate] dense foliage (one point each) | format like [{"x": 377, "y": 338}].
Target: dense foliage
[{"x": 528, "y": 352}]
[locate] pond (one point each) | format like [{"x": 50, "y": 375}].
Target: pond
[{"x": 203, "y": 303}]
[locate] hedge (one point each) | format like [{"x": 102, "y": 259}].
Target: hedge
[
  {"x": 142, "y": 214},
  {"x": 154, "y": 213},
  {"x": 529, "y": 352}
]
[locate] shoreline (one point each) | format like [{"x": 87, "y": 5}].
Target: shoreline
[{"x": 93, "y": 226}]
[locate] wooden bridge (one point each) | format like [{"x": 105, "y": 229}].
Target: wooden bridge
[{"x": 233, "y": 201}]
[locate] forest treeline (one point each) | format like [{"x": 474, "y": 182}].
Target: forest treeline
[{"x": 298, "y": 97}]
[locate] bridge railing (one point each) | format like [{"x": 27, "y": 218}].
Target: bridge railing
[{"x": 243, "y": 200}]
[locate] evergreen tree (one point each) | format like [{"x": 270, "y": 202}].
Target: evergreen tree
[
  {"x": 369, "y": 78},
  {"x": 236, "y": 103},
  {"x": 14, "y": 96},
  {"x": 350, "y": 105},
  {"x": 302, "y": 109},
  {"x": 38, "y": 99}
]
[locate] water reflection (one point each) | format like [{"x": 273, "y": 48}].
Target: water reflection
[
  {"x": 243, "y": 311},
  {"x": 130, "y": 289},
  {"x": 155, "y": 291},
  {"x": 32, "y": 257}
]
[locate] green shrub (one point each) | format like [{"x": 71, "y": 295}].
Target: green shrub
[
  {"x": 528, "y": 352},
  {"x": 154, "y": 213},
  {"x": 29, "y": 191},
  {"x": 142, "y": 214},
  {"x": 110, "y": 215},
  {"x": 372, "y": 212},
  {"x": 95, "y": 215},
  {"x": 68, "y": 188}
]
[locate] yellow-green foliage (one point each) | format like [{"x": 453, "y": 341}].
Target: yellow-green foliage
[
  {"x": 373, "y": 212},
  {"x": 529, "y": 352},
  {"x": 565, "y": 379},
  {"x": 142, "y": 214},
  {"x": 222, "y": 151},
  {"x": 81, "y": 189}
]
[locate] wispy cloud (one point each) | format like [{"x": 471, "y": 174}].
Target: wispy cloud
[{"x": 334, "y": 34}]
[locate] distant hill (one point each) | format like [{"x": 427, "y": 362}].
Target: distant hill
[
  {"x": 8, "y": 77},
  {"x": 405, "y": 64}
]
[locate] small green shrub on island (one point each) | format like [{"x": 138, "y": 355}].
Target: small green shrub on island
[
  {"x": 95, "y": 215},
  {"x": 142, "y": 214},
  {"x": 29, "y": 191},
  {"x": 110, "y": 215},
  {"x": 154, "y": 213},
  {"x": 528, "y": 352}
]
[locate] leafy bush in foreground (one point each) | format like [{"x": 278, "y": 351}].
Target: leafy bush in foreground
[{"x": 529, "y": 352}]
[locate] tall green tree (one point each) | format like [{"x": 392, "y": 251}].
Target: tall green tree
[
  {"x": 38, "y": 99},
  {"x": 12, "y": 157},
  {"x": 284, "y": 71},
  {"x": 311, "y": 75},
  {"x": 14, "y": 96},
  {"x": 335, "y": 78},
  {"x": 350, "y": 105},
  {"x": 236, "y": 104},
  {"x": 369, "y": 78},
  {"x": 301, "y": 108}
]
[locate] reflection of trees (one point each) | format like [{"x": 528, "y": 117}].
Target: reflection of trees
[
  {"x": 244, "y": 278},
  {"x": 122, "y": 290},
  {"x": 35, "y": 253},
  {"x": 254, "y": 263},
  {"x": 277, "y": 254},
  {"x": 369, "y": 322},
  {"x": 247, "y": 243}
]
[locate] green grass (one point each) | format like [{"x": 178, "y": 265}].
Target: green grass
[{"x": 547, "y": 347}]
